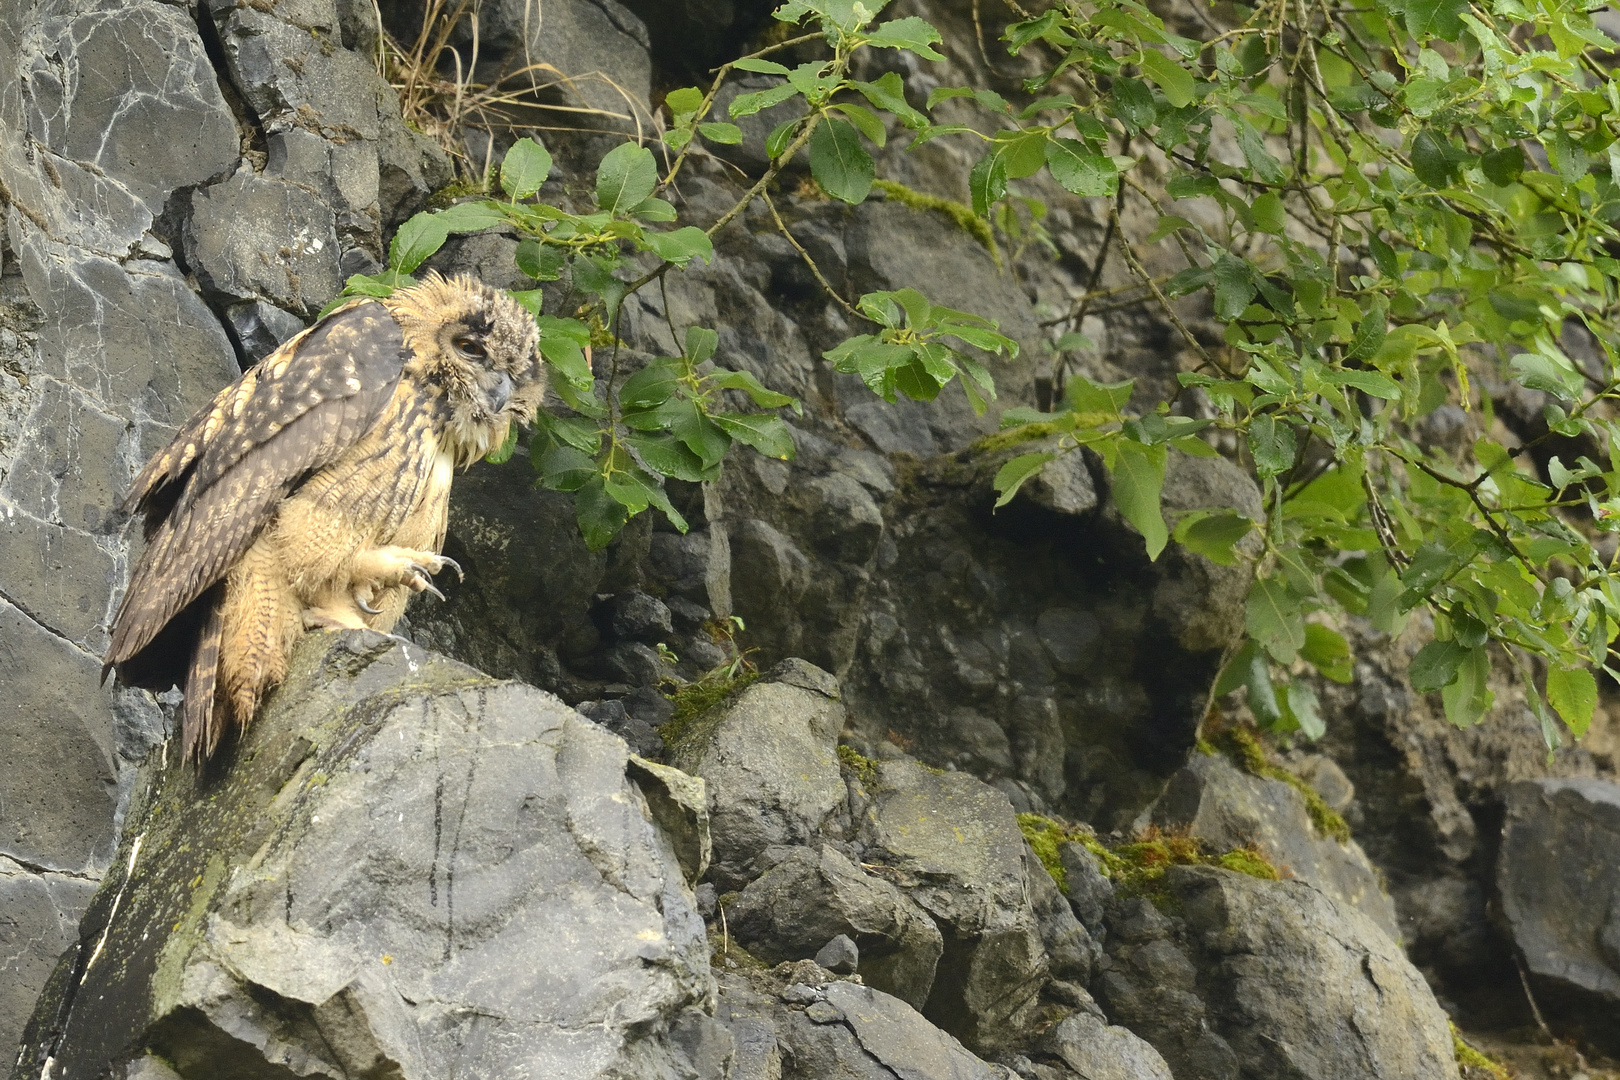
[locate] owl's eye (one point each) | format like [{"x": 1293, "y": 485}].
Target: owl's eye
[{"x": 470, "y": 347}]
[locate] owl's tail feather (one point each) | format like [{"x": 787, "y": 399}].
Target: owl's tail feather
[{"x": 203, "y": 723}]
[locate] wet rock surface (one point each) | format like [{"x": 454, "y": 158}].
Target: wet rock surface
[
  {"x": 1558, "y": 879},
  {"x": 1214, "y": 799},
  {"x": 407, "y": 867},
  {"x": 1268, "y": 979},
  {"x": 184, "y": 187}
]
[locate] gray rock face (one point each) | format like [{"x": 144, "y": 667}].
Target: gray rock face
[
  {"x": 596, "y": 51},
  {"x": 791, "y": 911},
  {"x": 251, "y": 237},
  {"x": 40, "y": 919},
  {"x": 954, "y": 843},
  {"x": 823, "y": 1028},
  {"x": 770, "y": 760},
  {"x": 1262, "y": 979},
  {"x": 1220, "y": 803},
  {"x": 106, "y": 110},
  {"x": 1097, "y": 1050},
  {"x": 1558, "y": 875},
  {"x": 408, "y": 870}
]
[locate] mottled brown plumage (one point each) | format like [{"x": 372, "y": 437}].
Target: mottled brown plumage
[{"x": 314, "y": 491}]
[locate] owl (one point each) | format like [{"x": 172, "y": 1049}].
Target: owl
[{"x": 314, "y": 492}]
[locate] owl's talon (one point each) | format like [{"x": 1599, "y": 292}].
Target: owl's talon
[
  {"x": 365, "y": 606},
  {"x": 434, "y": 589},
  {"x": 445, "y": 560}
]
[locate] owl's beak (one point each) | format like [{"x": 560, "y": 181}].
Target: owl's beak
[{"x": 501, "y": 394}]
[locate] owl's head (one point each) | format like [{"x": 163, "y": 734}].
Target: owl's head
[{"x": 478, "y": 348}]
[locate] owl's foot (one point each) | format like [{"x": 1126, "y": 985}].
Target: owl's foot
[{"x": 390, "y": 567}]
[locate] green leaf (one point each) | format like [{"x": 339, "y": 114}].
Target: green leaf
[
  {"x": 1502, "y": 167},
  {"x": 653, "y": 209},
  {"x": 838, "y": 161},
  {"x": 1261, "y": 693},
  {"x": 745, "y": 381},
  {"x": 888, "y": 92},
  {"x": 1234, "y": 287},
  {"x": 560, "y": 467},
  {"x": 749, "y": 104},
  {"x": 681, "y": 246},
  {"x": 652, "y": 385},
  {"x": 1273, "y": 617},
  {"x": 767, "y": 434},
  {"x": 766, "y": 67},
  {"x": 415, "y": 241},
  {"x": 1213, "y": 536},
  {"x": 1267, "y": 213},
  {"x": 668, "y": 456},
  {"x": 1305, "y": 710},
  {"x": 1326, "y": 650},
  {"x": 503, "y": 453},
  {"x": 1106, "y": 399},
  {"x": 1369, "y": 382},
  {"x": 1573, "y": 692},
  {"x": 524, "y": 168},
  {"x": 779, "y": 138},
  {"x": 1272, "y": 445},
  {"x": 911, "y": 33},
  {"x": 1370, "y": 335},
  {"x": 1011, "y": 476},
  {"x": 542, "y": 262},
  {"x": 862, "y": 118},
  {"x": 987, "y": 182},
  {"x": 1081, "y": 172},
  {"x": 1442, "y": 18},
  {"x": 1435, "y": 665},
  {"x": 1434, "y": 159},
  {"x": 1138, "y": 477},
  {"x": 1537, "y": 371},
  {"x": 1469, "y": 698},
  {"x": 725, "y": 134},
  {"x": 1236, "y": 671},
  {"x": 600, "y": 515},
  {"x": 562, "y": 343},
  {"x": 626, "y": 176},
  {"x": 1178, "y": 85},
  {"x": 700, "y": 344},
  {"x": 686, "y": 101},
  {"x": 473, "y": 216}
]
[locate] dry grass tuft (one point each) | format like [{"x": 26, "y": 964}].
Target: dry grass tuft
[{"x": 439, "y": 96}]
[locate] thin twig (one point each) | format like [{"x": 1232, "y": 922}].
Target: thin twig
[
  {"x": 1158, "y": 294},
  {"x": 808, "y": 261}
]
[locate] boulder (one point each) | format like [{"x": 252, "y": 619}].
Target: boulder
[
  {"x": 771, "y": 763},
  {"x": 1098, "y": 1050},
  {"x": 1269, "y": 979},
  {"x": 810, "y": 898},
  {"x": 1071, "y": 951},
  {"x": 816, "y": 1027},
  {"x": 1218, "y": 802},
  {"x": 953, "y": 843},
  {"x": 404, "y": 869},
  {"x": 1558, "y": 877}
]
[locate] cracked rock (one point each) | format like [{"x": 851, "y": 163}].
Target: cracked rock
[
  {"x": 770, "y": 760},
  {"x": 809, "y": 899},
  {"x": 409, "y": 869}
]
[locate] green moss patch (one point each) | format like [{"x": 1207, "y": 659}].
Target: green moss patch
[
  {"x": 1023, "y": 433},
  {"x": 1479, "y": 1066},
  {"x": 959, "y": 213},
  {"x": 864, "y": 768},
  {"x": 1136, "y": 868},
  {"x": 1243, "y": 746},
  {"x": 695, "y": 700}
]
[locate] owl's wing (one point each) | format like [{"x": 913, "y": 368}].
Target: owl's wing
[{"x": 208, "y": 494}]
